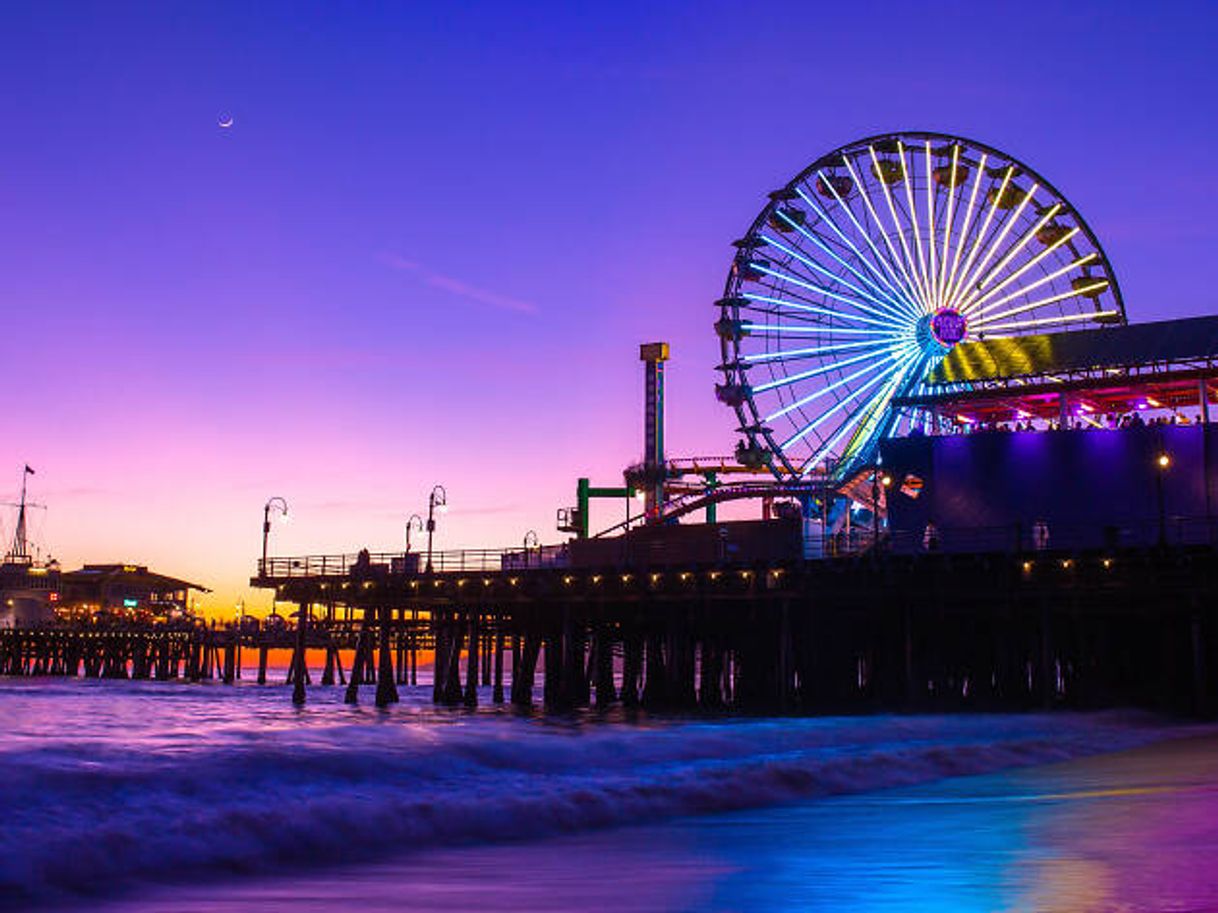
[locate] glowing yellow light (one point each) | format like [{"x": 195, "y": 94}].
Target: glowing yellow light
[
  {"x": 1164, "y": 461},
  {"x": 1027, "y": 565}
]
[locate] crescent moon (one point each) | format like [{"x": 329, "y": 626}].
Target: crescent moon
[{"x": 226, "y": 120}]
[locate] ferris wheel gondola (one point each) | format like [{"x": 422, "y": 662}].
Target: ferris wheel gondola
[{"x": 861, "y": 274}]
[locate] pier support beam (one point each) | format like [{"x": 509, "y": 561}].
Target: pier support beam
[
  {"x": 472, "y": 662},
  {"x": 298, "y": 656},
  {"x": 386, "y": 690},
  {"x": 498, "y": 693}
]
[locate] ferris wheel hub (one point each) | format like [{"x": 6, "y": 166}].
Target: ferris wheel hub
[{"x": 949, "y": 326}]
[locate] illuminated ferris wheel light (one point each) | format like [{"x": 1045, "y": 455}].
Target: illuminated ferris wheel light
[{"x": 867, "y": 269}]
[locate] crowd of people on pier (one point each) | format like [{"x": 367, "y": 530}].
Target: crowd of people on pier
[{"x": 1101, "y": 422}]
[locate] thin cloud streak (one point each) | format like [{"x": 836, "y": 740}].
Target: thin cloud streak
[{"x": 460, "y": 287}]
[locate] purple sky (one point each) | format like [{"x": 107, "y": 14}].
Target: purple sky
[{"x": 430, "y": 243}]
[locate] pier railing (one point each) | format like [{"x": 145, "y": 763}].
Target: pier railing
[
  {"x": 373, "y": 565},
  {"x": 1045, "y": 536},
  {"x": 1017, "y": 538}
]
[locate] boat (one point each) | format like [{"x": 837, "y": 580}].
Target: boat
[{"x": 29, "y": 586}]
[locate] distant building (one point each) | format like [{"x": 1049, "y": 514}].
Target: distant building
[
  {"x": 124, "y": 591},
  {"x": 29, "y": 592}
]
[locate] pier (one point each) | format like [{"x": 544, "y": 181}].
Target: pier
[
  {"x": 980, "y": 488},
  {"x": 983, "y": 630}
]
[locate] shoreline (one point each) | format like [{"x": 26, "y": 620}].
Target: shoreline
[{"x": 1083, "y": 835}]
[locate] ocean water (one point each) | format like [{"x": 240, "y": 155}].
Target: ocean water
[{"x": 149, "y": 796}]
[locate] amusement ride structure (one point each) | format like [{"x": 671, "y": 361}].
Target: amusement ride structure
[
  {"x": 869, "y": 267},
  {"x": 854, "y": 283}
]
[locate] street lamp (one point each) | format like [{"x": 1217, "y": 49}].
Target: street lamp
[
  {"x": 415, "y": 522},
  {"x": 275, "y": 503},
  {"x": 437, "y": 498},
  {"x": 1163, "y": 463},
  {"x": 878, "y": 480}
]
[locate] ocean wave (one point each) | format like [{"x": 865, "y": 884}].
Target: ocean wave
[{"x": 83, "y": 817}]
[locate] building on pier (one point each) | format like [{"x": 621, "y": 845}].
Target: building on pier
[
  {"x": 1087, "y": 439},
  {"x": 128, "y": 591}
]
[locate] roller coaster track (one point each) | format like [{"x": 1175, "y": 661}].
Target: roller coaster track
[{"x": 693, "y": 501}]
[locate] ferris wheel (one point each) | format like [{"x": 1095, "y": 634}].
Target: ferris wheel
[{"x": 862, "y": 274}]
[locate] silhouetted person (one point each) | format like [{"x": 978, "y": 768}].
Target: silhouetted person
[
  {"x": 1040, "y": 535},
  {"x": 930, "y": 537}
]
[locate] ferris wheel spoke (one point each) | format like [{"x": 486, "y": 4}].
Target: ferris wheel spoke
[
  {"x": 821, "y": 311},
  {"x": 973, "y": 282},
  {"x": 886, "y": 305},
  {"x": 975, "y": 305},
  {"x": 908, "y": 268},
  {"x": 821, "y": 370},
  {"x": 836, "y": 385},
  {"x": 930, "y": 229},
  {"x": 785, "y": 355},
  {"x": 871, "y": 421},
  {"x": 982, "y": 232},
  {"x": 1096, "y": 286},
  {"x": 914, "y": 296},
  {"x": 1047, "y": 321},
  {"x": 880, "y": 397},
  {"x": 947, "y": 224},
  {"x": 912, "y": 217},
  {"x": 828, "y": 293},
  {"x": 848, "y": 401},
  {"x": 1011, "y": 253},
  {"x": 754, "y": 329},
  {"x": 1025, "y": 289},
  {"x": 823, "y": 329},
  {"x": 964, "y": 230},
  {"x": 884, "y": 295},
  {"x": 901, "y": 293}
]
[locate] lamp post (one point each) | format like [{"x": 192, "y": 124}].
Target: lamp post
[
  {"x": 1162, "y": 464},
  {"x": 275, "y": 503},
  {"x": 437, "y": 498},
  {"x": 415, "y": 522},
  {"x": 878, "y": 481}
]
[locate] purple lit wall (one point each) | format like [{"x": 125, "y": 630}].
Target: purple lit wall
[{"x": 1090, "y": 488}]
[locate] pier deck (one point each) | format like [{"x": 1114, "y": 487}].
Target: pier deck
[{"x": 877, "y": 631}]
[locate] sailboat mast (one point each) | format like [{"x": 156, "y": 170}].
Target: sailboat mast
[{"x": 20, "y": 544}]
